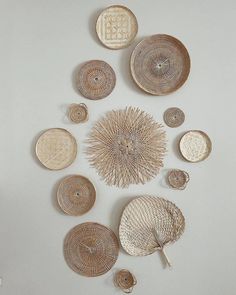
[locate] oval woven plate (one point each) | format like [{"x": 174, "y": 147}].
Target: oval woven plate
[
  {"x": 195, "y": 146},
  {"x": 160, "y": 64},
  {"x": 116, "y": 27},
  {"x": 78, "y": 113},
  {"x": 96, "y": 79},
  {"x": 174, "y": 117},
  {"x": 91, "y": 249},
  {"x": 56, "y": 148},
  {"x": 143, "y": 218},
  {"x": 76, "y": 195}
]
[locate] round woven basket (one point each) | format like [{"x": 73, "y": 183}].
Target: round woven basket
[
  {"x": 78, "y": 113},
  {"x": 91, "y": 249},
  {"x": 56, "y": 148},
  {"x": 76, "y": 195},
  {"x": 149, "y": 223},
  {"x": 195, "y": 146},
  {"x": 116, "y": 27},
  {"x": 174, "y": 117},
  {"x": 178, "y": 179},
  {"x": 125, "y": 280}
]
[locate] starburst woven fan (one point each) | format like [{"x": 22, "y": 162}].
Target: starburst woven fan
[{"x": 127, "y": 147}]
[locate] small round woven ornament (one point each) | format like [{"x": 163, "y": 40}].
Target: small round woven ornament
[
  {"x": 178, "y": 179},
  {"x": 91, "y": 249},
  {"x": 174, "y": 117},
  {"x": 148, "y": 224},
  {"x": 195, "y": 146},
  {"x": 56, "y": 148},
  {"x": 76, "y": 195},
  {"x": 78, "y": 113},
  {"x": 96, "y": 79},
  {"x": 116, "y": 27},
  {"x": 125, "y": 280}
]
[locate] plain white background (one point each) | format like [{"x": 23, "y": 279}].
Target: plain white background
[{"x": 42, "y": 45}]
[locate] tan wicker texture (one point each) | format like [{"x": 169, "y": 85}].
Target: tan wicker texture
[
  {"x": 91, "y": 249},
  {"x": 148, "y": 224},
  {"x": 174, "y": 117},
  {"x": 178, "y": 179},
  {"x": 195, "y": 146},
  {"x": 76, "y": 195},
  {"x": 56, "y": 148},
  {"x": 160, "y": 64},
  {"x": 125, "y": 280},
  {"x": 78, "y": 113},
  {"x": 116, "y": 27},
  {"x": 96, "y": 79},
  {"x": 127, "y": 147}
]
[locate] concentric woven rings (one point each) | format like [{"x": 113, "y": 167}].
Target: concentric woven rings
[
  {"x": 78, "y": 113},
  {"x": 76, "y": 195},
  {"x": 56, "y": 148},
  {"x": 174, "y": 117},
  {"x": 91, "y": 249},
  {"x": 125, "y": 280},
  {"x": 116, "y": 27},
  {"x": 160, "y": 64},
  {"x": 178, "y": 179},
  {"x": 195, "y": 146},
  {"x": 145, "y": 218},
  {"x": 96, "y": 79}
]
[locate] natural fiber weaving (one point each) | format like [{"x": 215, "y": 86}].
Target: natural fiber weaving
[
  {"x": 91, "y": 249},
  {"x": 148, "y": 224},
  {"x": 174, "y": 117},
  {"x": 76, "y": 195},
  {"x": 178, "y": 179},
  {"x": 56, "y": 148},
  {"x": 125, "y": 280},
  {"x": 78, "y": 113},
  {"x": 116, "y": 27},
  {"x": 127, "y": 147},
  {"x": 160, "y": 64},
  {"x": 195, "y": 146},
  {"x": 96, "y": 79}
]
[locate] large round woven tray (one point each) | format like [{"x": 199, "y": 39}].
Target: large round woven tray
[
  {"x": 56, "y": 148},
  {"x": 116, "y": 27},
  {"x": 96, "y": 79},
  {"x": 195, "y": 146},
  {"x": 76, "y": 195},
  {"x": 91, "y": 249},
  {"x": 160, "y": 64},
  {"x": 144, "y": 219}
]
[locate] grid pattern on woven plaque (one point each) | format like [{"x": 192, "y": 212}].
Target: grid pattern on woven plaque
[
  {"x": 145, "y": 216},
  {"x": 76, "y": 195},
  {"x": 56, "y": 148},
  {"x": 116, "y": 27},
  {"x": 195, "y": 146},
  {"x": 91, "y": 249}
]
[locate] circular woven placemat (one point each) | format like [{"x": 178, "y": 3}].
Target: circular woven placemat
[
  {"x": 76, "y": 195},
  {"x": 195, "y": 146},
  {"x": 174, "y": 117},
  {"x": 116, "y": 27},
  {"x": 78, "y": 113},
  {"x": 160, "y": 64},
  {"x": 56, "y": 148},
  {"x": 125, "y": 280},
  {"x": 96, "y": 79},
  {"x": 178, "y": 178},
  {"x": 143, "y": 218},
  {"x": 91, "y": 249}
]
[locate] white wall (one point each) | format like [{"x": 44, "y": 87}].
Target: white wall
[{"x": 42, "y": 43}]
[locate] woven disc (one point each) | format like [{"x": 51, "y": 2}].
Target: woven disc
[
  {"x": 125, "y": 280},
  {"x": 178, "y": 178},
  {"x": 91, "y": 249},
  {"x": 116, "y": 27},
  {"x": 160, "y": 64},
  {"x": 143, "y": 218},
  {"x": 96, "y": 79},
  {"x": 76, "y": 195},
  {"x": 195, "y": 146},
  {"x": 56, "y": 148},
  {"x": 78, "y": 113},
  {"x": 174, "y": 117}
]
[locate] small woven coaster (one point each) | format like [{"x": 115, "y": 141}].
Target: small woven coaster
[
  {"x": 174, "y": 117},
  {"x": 178, "y": 179},
  {"x": 78, "y": 113},
  {"x": 125, "y": 280}
]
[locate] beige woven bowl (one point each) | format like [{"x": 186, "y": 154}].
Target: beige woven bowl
[
  {"x": 56, "y": 148},
  {"x": 91, "y": 249}
]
